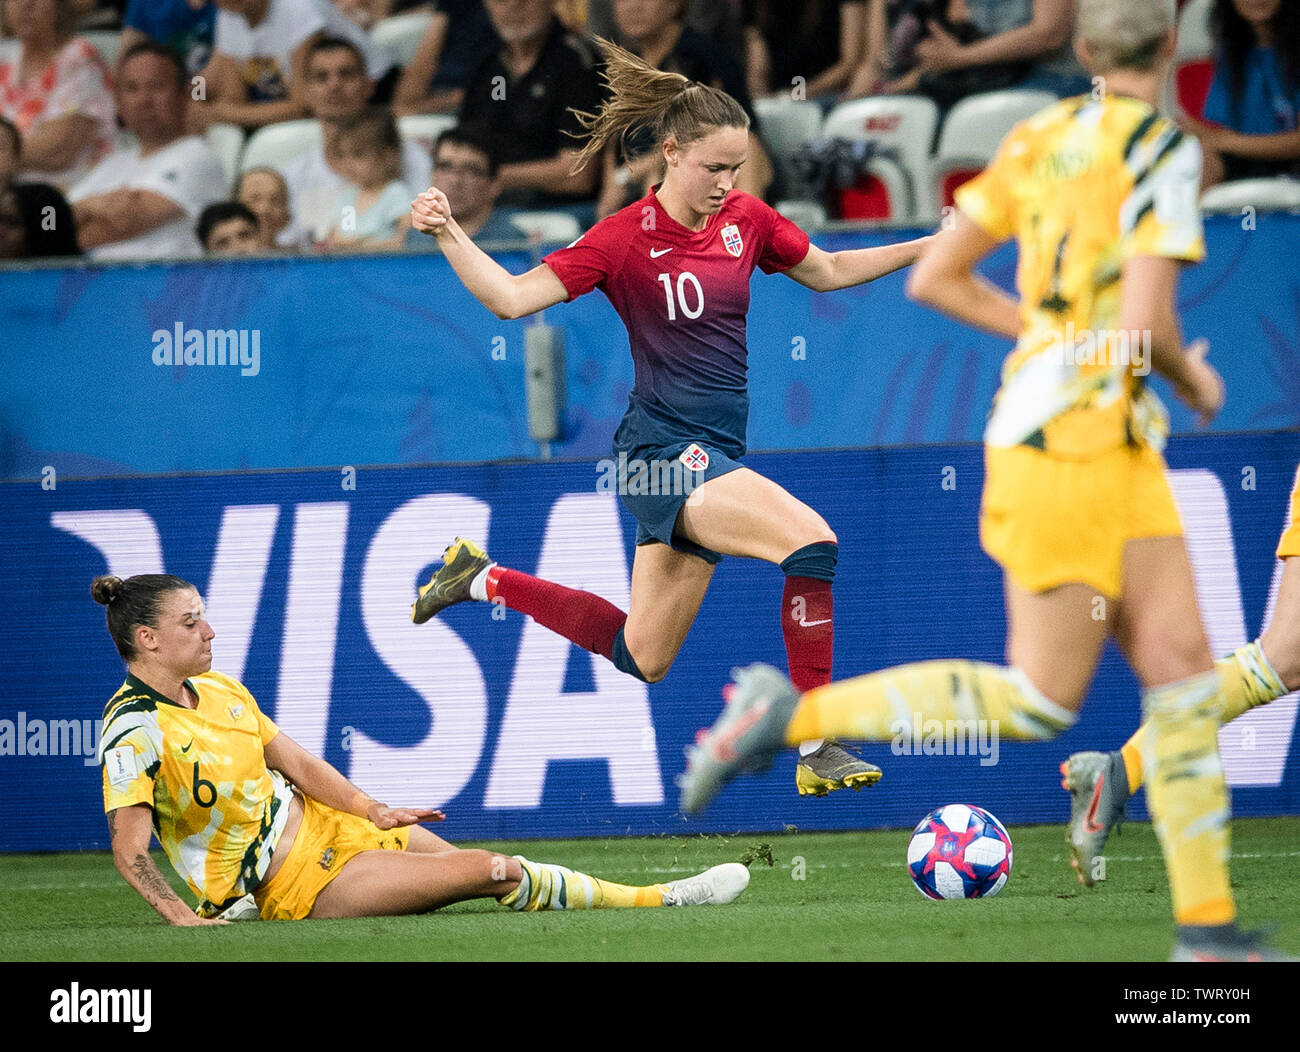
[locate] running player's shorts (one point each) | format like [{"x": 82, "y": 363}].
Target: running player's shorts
[
  {"x": 1048, "y": 521},
  {"x": 655, "y": 482},
  {"x": 326, "y": 840},
  {"x": 1289, "y": 545}
]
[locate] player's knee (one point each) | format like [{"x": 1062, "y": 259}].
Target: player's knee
[{"x": 655, "y": 670}]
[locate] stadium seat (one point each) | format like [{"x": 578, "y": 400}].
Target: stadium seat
[
  {"x": 548, "y": 227},
  {"x": 277, "y": 144},
  {"x": 228, "y": 142},
  {"x": 971, "y": 135},
  {"x": 108, "y": 42},
  {"x": 424, "y": 128},
  {"x": 1263, "y": 195},
  {"x": 786, "y": 125},
  {"x": 808, "y": 215},
  {"x": 1195, "y": 40},
  {"x": 400, "y": 35},
  {"x": 901, "y": 124}
]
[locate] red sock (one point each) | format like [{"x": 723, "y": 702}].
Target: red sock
[
  {"x": 807, "y": 622},
  {"x": 584, "y": 618}
]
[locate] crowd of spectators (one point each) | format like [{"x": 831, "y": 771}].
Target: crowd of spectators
[{"x": 124, "y": 168}]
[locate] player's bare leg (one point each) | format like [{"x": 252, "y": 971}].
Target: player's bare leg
[
  {"x": 393, "y": 883},
  {"x": 668, "y": 587},
  {"x": 743, "y": 513},
  {"x": 1281, "y": 640},
  {"x": 421, "y": 841}
]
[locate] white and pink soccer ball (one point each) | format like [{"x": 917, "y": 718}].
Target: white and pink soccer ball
[{"x": 959, "y": 851}]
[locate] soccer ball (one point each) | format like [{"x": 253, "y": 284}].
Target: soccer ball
[{"x": 959, "y": 851}]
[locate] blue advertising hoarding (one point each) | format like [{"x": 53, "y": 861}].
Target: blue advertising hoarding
[{"x": 308, "y": 577}]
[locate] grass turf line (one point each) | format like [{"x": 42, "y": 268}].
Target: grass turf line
[{"x": 829, "y": 896}]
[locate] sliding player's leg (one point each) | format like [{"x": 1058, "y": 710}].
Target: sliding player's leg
[
  {"x": 743, "y": 513},
  {"x": 391, "y": 883},
  {"x": 1054, "y": 645}
]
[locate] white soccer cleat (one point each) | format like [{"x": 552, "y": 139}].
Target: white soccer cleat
[{"x": 713, "y": 887}]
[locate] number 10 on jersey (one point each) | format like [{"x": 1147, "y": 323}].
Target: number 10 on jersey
[{"x": 682, "y": 300}]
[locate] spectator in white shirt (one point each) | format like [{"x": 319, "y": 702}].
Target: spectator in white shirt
[
  {"x": 141, "y": 202},
  {"x": 259, "y": 54},
  {"x": 337, "y": 90}
]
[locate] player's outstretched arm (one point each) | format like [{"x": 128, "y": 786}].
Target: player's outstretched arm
[
  {"x": 506, "y": 295},
  {"x": 945, "y": 278},
  {"x": 826, "y": 271},
  {"x": 130, "y": 829},
  {"x": 322, "y": 782}
]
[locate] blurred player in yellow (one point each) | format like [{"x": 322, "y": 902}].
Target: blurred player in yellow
[
  {"x": 258, "y": 826},
  {"x": 1100, "y": 194},
  {"x": 1100, "y": 783}
]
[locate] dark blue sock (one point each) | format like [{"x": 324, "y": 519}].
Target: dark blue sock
[
  {"x": 813, "y": 560},
  {"x": 622, "y": 658}
]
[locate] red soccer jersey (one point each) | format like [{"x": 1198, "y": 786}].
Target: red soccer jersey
[{"x": 683, "y": 296}]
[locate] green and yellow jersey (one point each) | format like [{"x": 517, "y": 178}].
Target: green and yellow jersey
[
  {"x": 218, "y": 811},
  {"x": 1083, "y": 186}
]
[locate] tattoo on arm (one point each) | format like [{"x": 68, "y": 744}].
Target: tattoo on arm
[{"x": 151, "y": 883}]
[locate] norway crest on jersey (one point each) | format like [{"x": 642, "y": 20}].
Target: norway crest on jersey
[{"x": 731, "y": 239}]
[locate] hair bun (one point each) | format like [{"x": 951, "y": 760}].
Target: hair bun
[{"x": 105, "y": 589}]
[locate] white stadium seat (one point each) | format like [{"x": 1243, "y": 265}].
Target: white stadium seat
[
  {"x": 548, "y": 227},
  {"x": 1263, "y": 195},
  {"x": 227, "y": 140},
  {"x": 972, "y": 133},
  {"x": 787, "y": 124},
  {"x": 108, "y": 42},
  {"x": 1189, "y": 83},
  {"x": 277, "y": 144},
  {"x": 424, "y": 128},
  {"x": 400, "y": 35},
  {"x": 807, "y": 215},
  {"x": 1194, "y": 37},
  {"x": 903, "y": 124}
]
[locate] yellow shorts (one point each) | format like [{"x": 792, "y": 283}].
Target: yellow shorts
[
  {"x": 326, "y": 840},
  {"x": 1289, "y": 545},
  {"x": 1048, "y": 521}
]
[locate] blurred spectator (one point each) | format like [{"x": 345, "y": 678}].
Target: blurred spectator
[
  {"x": 458, "y": 40},
  {"x": 719, "y": 20},
  {"x": 465, "y": 169},
  {"x": 336, "y": 90},
  {"x": 36, "y": 223},
  {"x": 808, "y": 52},
  {"x": 256, "y": 76},
  {"x": 1254, "y": 97},
  {"x": 523, "y": 97},
  {"x": 56, "y": 89},
  {"x": 949, "y": 49},
  {"x": 228, "y": 228},
  {"x": 654, "y": 30},
  {"x": 141, "y": 202},
  {"x": 265, "y": 193},
  {"x": 186, "y": 25},
  {"x": 373, "y": 209},
  {"x": 11, "y": 147}
]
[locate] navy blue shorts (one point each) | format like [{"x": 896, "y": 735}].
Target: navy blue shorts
[{"x": 654, "y": 482}]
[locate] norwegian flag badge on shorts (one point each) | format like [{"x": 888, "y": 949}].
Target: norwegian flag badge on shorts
[
  {"x": 694, "y": 457},
  {"x": 731, "y": 239}
]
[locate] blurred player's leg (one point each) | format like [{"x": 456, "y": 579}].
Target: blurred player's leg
[
  {"x": 742, "y": 513},
  {"x": 1162, "y": 636}
]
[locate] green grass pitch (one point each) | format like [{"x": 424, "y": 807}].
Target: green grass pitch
[{"x": 828, "y": 897}]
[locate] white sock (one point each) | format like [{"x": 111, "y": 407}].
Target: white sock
[
  {"x": 478, "y": 586},
  {"x": 810, "y": 747}
]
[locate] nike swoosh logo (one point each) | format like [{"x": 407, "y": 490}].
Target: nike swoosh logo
[
  {"x": 810, "y": 624},
  {"x": 656, "y": 253},
  {"x": 186, "y": 748},
  {"x": 1090, "y": 824}
]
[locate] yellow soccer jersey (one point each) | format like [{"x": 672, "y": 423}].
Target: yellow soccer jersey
[
  {"x": 1083, "y": 186},
  {"x": 217, "y": 809}
]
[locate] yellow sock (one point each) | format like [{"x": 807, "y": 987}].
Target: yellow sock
[
  {"x": 902, "y": 704},
  {"x": 550, "y": 887},
  {"x": 1188, "y": 797},
  {"x": 1247, "y": 679}
]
